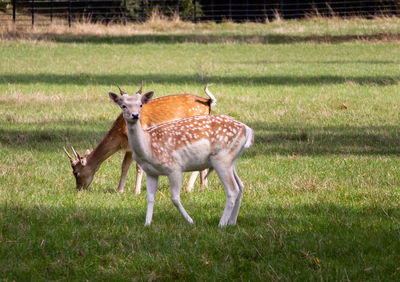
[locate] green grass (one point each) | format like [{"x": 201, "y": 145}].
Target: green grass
[{"x": 322, "y": 182}]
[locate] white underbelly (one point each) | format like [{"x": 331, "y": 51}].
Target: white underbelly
[
  {"x": 192, "y": 157},
  {"x": 195, "y": 156}
]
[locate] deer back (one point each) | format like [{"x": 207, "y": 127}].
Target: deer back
[
  {"x": 173, "y": 107},
  {"x": 208, "y": 134}
]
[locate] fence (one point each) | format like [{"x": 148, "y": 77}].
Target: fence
[{"x": 43, "y": 12}]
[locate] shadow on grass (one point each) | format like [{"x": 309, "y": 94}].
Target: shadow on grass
[
  {"x": 270, "y": 139},
  {"x": 301, "y": 139},
  {"x": 53, "y": 136},
  {"x": 213, "y": 38},
  {"x": 333, "y": 62},
  {"x": 132, "y": 79},
  {"x": 296, "y": 243}
]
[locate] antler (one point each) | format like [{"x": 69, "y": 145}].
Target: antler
[
  {"x": 141, "y": 87},
  {"x": 69, "y": 156},
  {"x": 120, "y": 91},
  {"x": 76, "y": 154}
]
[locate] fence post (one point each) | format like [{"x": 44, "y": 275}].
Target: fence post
[
  {"x": 194, "y": 11},
  {"x": 69, "y": 13},
  {"x": 212, "y": 11},
  {"x": 51, "y": 11},
  {"x": 33, "y": 12},
  {"x": 14, "y": 3},
  {"x": 265, "y": 13},
  {"x": 230, "y": 9},
  {"x": 124, "y": 16},
  {"x": 142, "y": 18},
  {"x": 247, "y": 10}
]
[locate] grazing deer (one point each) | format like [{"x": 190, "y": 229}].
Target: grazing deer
[
  {"x": 189, "y": 144},
  {"x": 160, "y": 110}
]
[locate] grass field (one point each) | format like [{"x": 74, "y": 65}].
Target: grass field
[{"x": 322, "y": 181}]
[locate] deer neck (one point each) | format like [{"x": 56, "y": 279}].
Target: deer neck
[
  {"x": 110, "y": 144},
  {"x": 139, "y": 141}
]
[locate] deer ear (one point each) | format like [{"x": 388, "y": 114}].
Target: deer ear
[
  {"x": 147, "y": 97},
  {"x": 115, "y": 98}
]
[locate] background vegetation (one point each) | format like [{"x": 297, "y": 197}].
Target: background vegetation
[{"x": 322, "y": 179}]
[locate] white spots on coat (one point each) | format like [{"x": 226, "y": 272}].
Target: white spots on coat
[{"x": 219, "y": 130}]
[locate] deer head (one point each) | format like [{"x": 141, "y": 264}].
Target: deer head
[
  {"x": 131, "y": 105},
  {"x": 83, "y": 174}
]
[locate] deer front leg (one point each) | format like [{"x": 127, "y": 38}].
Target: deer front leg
[
  {"x": 152, "y": 183},
  {"x": 126, "y": 163},
  {"x": 139, "y": 176},
  {"x": 175, "y": 181}
]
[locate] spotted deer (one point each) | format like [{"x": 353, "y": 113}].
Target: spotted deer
[
  {"x": 189, "y": 144},
  {"x": 158, "y": 111}
]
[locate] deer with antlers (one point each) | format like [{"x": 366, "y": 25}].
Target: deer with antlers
[
  {"x": 189, "y": 144},
  {"x": 158, "y": 111}
]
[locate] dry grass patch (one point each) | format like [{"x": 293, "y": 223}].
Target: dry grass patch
[
  {"x": 309, "y": 183},
  {"x": 315, "y": 29},
  {"x": 155, "y": 24}
]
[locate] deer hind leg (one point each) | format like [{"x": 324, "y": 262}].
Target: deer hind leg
[
  {"x": 152, "y": 183},
  {"x": 139, "y": 176},
  {"x": 232, "y": 190},
  {"x": 192, "y": 179},
  {"x": 204, "y": 178},
  {"x": 175, "y": 181},
  {"x": 126, "y": 163},
  {"x": 235, "y": 211}
]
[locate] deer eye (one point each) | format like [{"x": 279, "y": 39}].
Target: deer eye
[
  {"x": 141, "y": 105},
  {"x": 76, "y": 174},
  {"x": 123, "y": 106}
]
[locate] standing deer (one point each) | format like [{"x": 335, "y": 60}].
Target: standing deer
[
  {"x": 159, "y": 111},
  {"x": 189, "y": 144}
]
